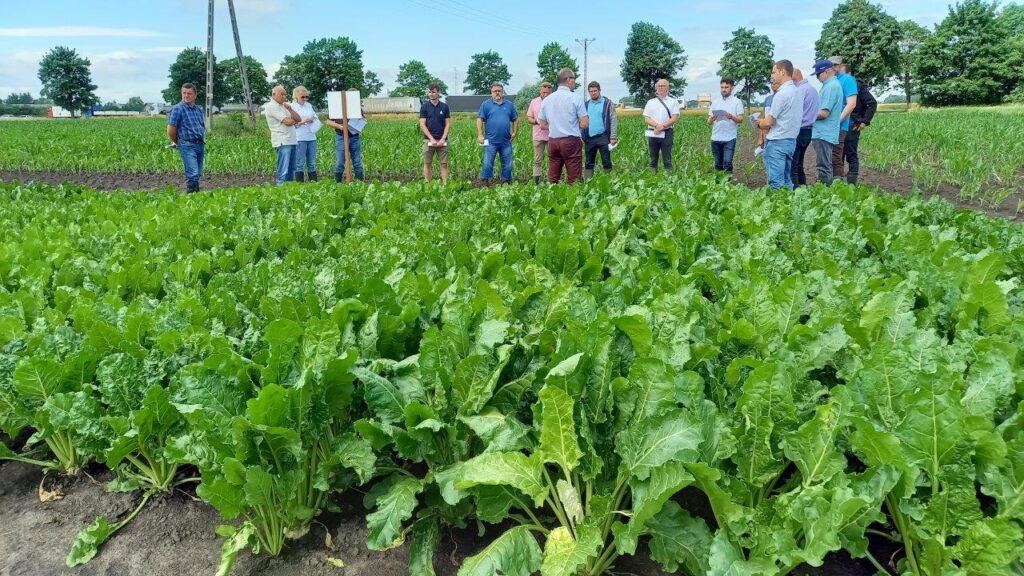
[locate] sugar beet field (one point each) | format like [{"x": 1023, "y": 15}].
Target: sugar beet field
[{"x": 670, "y": 374}]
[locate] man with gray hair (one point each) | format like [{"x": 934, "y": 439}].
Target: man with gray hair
[
  {"x": 281, "y": 119},
  {"x": 497, "y": 124},
  {"x": 564, "y": 115},
  {"x": 540, "y": 134}
]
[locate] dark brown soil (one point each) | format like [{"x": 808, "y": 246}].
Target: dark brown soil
[{"x": 900, "y": 183}]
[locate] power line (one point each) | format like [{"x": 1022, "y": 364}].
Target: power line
[{"x": 585, "y": 42}]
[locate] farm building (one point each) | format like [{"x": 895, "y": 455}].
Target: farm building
[
  {"x": 704, "y": 101},
  {"x": 471, "y": 102}
]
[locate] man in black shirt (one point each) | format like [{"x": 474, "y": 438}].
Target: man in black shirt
[{"x": 435, "y": 122}]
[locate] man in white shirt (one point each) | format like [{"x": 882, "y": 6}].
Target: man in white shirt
[
  {"x": 783, "y": 121},
  {"x": 282, "y": 120},
  {"x": 564, "y": 115},
  {"x": 661, "y": 113},
  {"x": 725, "y": 114}
]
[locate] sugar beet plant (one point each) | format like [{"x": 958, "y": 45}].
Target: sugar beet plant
[{"x": 825, "y": 368}]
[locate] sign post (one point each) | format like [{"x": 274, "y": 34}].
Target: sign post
[{"x": 345, "y": 105}]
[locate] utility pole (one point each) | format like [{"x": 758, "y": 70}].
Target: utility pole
[
  {"x": 246, "y": 93},
  {"x": 585, "y": 42},
  {"x": 209, "y": 70}
]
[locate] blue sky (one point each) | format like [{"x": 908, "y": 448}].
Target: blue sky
[{"x": 131, "y": 46}]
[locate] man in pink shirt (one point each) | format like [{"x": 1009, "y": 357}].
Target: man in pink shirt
[{"x": 540, "y": 134}]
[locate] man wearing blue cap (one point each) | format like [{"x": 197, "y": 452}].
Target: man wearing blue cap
[{"x": 825, "y": 132}]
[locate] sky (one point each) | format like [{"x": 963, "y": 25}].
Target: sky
[{"x": 131, "y": 46}]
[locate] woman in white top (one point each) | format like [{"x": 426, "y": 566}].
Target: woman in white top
[{"x": 305, "y": 131}]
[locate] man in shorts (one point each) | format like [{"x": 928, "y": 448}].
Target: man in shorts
[{"x": 435, "y": 123}]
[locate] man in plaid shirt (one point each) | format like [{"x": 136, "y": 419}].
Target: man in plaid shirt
[{"x": 187, "y": 132}]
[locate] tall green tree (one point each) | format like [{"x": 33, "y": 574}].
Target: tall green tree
[
  {"x": 526, "y": 94},
  {"x": 651, "y": 54},
  {"x": 913, "y": 37},
  {"x": 324, "y": 65},
  {"x": 259, "y": 84},
  {"x": 66, "y": 79},
  {"x": 413, "y": 79},
  {"x": 552, "y": 58},
  {"x": 484, "y": 69},
  {"x": 1012, "y": 17},
  {"x": 866, "y": 37},
  {"x": 371, "y": 84},
  {"x": 18, "y": 98},
  {"x": 190, "y": 66},
  {"x": 965, "y": 60},
  {"x": 748, "y": 60},
  {"x": 134, "y": 104}
]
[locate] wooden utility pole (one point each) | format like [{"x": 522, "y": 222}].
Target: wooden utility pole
[
  {"x": 246, "y": 93},
  {"x": 208, "y": 112},
  {"x": 344, "y": 131}
]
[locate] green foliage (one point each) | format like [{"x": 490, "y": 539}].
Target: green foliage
[
  {"x": 413, "y": 79},
  {"x": 913, "y": 37},
  {"x": 372, "y": 85},
  {"x": 18, "y": 98},
  {"x": 748, "y": 60},
  {"x": 977, "y": 40},
  {"x": 324, "y": 65},
  {"x": 552, "y": 58},
  {"x": 484, "y": 69},
  {"x": 190, "y": 66},
  {"x": 231, "y": 85},
  {"x": 525, "y": 95},
  {"x": 651, "y": 54},
  {"x": 66, "y": 79},
  {"x": 866, "y": 37}
]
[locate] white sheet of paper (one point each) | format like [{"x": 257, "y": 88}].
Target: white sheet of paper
[
  {"x": 352, "y": 102},
  {"x": 613, "y": 146},
  {"x": 753, "y": 119},
  {"x": 650, "y": 134},
  {"x": 758, "y": 151}
]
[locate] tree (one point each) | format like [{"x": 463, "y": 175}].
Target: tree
[
  {"x": 325, "y": 65},
  {"x": 651, "y": 54},
  {"x": 866, "y": 37},
  {"x": 190, "y": 66},
  {"x": 1012, "y": 17},
  {"x": 413, "y": 79},
  {"x": 913, "y": 36},
  {"x": 66, "y": 79},
  {"x": 748, "y": 60},
  {"x": 259, "y": 85},
  {"x": 526, "y": 94},
  {"x": 552, "y": 58},
  {"x": 965, "y": 60},
  {"x": 484, "y": 69},
  {"x": 134, "y": 104},
  {"x": 18, "y": 98},
  {"x": 371, "y": 84}
]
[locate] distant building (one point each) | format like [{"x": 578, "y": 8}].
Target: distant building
[
  {"x": 704, "y": 101},
  {"x": 471, "y": 102}
]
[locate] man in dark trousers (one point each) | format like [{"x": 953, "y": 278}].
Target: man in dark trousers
[
  {"x": 859, "y": 119},
  {"x": 602, "y": 131}
]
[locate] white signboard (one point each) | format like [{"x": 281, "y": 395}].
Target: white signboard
[{"x": 354, "y": 108}]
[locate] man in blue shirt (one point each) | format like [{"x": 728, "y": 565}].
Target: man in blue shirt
[
  {"x": 825, "y": 132},
  {"x": 502, "y": 124},
  {"x": 849, "y": 84},
  {"x": 187, "y": 132},
  {"x": 565, "y": 116},
  {"x": 783, "y": 121},
  {"x": 601, "y": 132}
]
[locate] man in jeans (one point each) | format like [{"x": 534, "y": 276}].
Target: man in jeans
[
  {"x": 565, "y": 116},
  {"x": 502, "y": 124},
  {"x": 540, "y": 134},
  {"x": 859, "y": 119},
  {"x": 849, "y": 84},
  {"x": 602, "y": 131},
  {"x": 783, "y": 123},
  {"x": 661, "y": 113},
  {"x": 803, "y": 140},
  {"x": 355, "y": 146},
  {"x": 187, "y": 132},
  {"x": 281, "y": 120},
  {"x": 725, "y": 114},
  {"x": 825, "y": 133}
]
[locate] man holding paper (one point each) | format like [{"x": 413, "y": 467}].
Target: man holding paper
[
  {"x": 602, "y": 132},
  {"x": 355, "y": 145},
  {"x": 661, "y": 113},
  {"x": 435, "y": 123},
  {"x": 725, "y": 114}
]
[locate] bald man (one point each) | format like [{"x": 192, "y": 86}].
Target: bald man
[{"x": 282, "y": 120}]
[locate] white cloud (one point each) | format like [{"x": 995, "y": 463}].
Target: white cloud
[{"x": 77, "y": 31}]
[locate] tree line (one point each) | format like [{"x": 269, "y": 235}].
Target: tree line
[{"x": 974, "y": 56}]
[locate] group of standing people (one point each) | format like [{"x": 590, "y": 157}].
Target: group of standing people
[{"x": 798, "y": 117}]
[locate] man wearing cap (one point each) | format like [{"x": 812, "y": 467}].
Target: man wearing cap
[
  {"x": 803, "y": 140},
  {"x": 825, "y": 132},
  {"x": 540, "y": 134},
  {"x": 783, "y": 123},
  {"x": 849, "y": 85}
]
